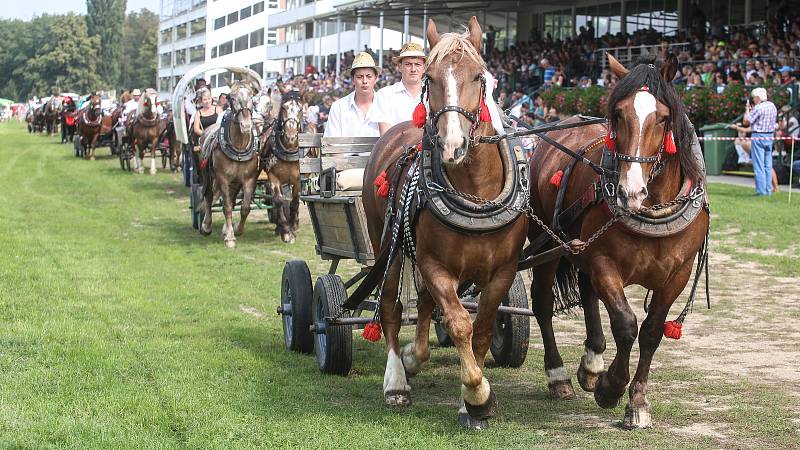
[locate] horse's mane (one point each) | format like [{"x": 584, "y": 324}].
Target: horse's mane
[
  {"x": 648, "y": 73},
  {"x": 450, "y": 43}
]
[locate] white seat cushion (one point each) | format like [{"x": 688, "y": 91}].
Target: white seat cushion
[{"x": 350, "y": 180}]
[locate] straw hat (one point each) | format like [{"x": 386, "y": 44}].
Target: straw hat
[
  {"x": 410, "y": 49},
  {"x": 136, "y": 92},
  {"x": 760, "y": 93},
  {"x": 364, "y": 60}
]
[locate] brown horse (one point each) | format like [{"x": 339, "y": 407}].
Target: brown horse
[
  {"x": 645, "y": 117},
  {"x": 448, "y": 257},
  {"x": 90, "y": 119},
  {"x": 230, "y": 163},
  {"x": 280, "y": 160},
  {"x": 51, "y": 112},
  {"x": 145, "y": 130}
]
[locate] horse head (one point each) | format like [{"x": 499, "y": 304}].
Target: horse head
[
  {"x": 95, "y": 105},
  {"x": 240, "y": 103},
  {"x": 646, "y": 125},
  {"x": 290, "y": 119},
  {"x": 147, "y": 104},
  {"x": 262, "y": 105},
  {"x": 455, "y": 85}
]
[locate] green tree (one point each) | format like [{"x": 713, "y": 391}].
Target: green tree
[
  {"x": 65, "y": 58},
  {"x": 105, "y": 19},
  {"x": 139, "y": 64}
]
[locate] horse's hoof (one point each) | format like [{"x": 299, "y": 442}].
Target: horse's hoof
[
  {"x": 397, "y": 398},
  {"x": 230, "y": 244},
  {"x": 484, "y": 411},
  {"x": 602, "y": 396},
  {"x": 205, "y": 231},
  {"x": 468, "y": 423},
  {"x": 287, "y": 238},
  {"x": 637, "y": 418},
  {"x": 586, "y": 379},
  {"x": 561, "y": 390},
  {"x": 152, "y": 172}
]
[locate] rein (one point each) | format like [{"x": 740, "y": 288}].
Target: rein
[{"x": 235, "y": 154}]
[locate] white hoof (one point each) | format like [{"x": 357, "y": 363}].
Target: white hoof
[
  {"x": 637, "y": 418},
  {"x": 230, "y": 244},
  {"x": 397, "y": 398},
  {"x": 288, "y": 238},
  {"x": 152, "y": 172}
]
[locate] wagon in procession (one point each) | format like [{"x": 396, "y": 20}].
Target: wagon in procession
[
  {"x": 313, "y": 317},
  {"x": 189, "y": 154}
]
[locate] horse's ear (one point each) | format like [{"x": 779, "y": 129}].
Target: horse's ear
[
  {"x": 433, "y": 34},
  {"x": 616, "y": 67},
  {"x": 669, "y": 68},
  {"x": 475, "y": 33}
]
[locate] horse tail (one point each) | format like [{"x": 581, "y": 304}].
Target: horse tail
[{"x": 566, "y": 294}]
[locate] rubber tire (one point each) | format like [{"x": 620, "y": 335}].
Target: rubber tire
[
  {"x": 186, "y": 165},
  {"x": 333, "y": 347},
  {"x": 442, "y": 337},
  {"x": 121, "y": 156},
  {"x": 195, "y": 197},
  {"x": 512, "y": 332},
  {"x": 77, "y": 145},
  {"x": 296, "y": 290}
]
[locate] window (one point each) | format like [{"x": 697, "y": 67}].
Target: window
[
  {"x": 240, "y": 43},
  {"x": 166, "y": 60},
  {"x": 166, "y": 36},
  {"x": 226, "y": 48},
  {"x": 219, "y": 22},
  {"x": 197, "y": 26},
  {"x": 197, "y": 53},
  {"x": 272, "y": 37},
  {"x": 258, "y": 68},
  {"x": 257, "y": 38},
  {"x": 258, "y": 7},
  {"x": 213, "y": 52},
  {"x": 245, "y": 13},
  {"x": 182, "y": 31},
  {"x": 272, "y": 4},
  {"x": 233, "y": 17}
]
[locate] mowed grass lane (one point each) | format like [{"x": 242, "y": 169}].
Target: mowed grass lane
[{"x": 121, "y": 327}]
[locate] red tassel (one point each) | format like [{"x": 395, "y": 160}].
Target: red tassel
[
  {"x": 609, "y": 142},
  {"x": 419, "y": 147},
  {"x": 672, "y": 329},
  {"x": 555, "y": 180},
  {"x": 204, "y": 164},
  {"x": 382, "y": 183},
  {"x": 485, "y": 116},
  {"x": 372, "y": 332},
  {"x": 669, "y": 144},
  {"x": 420, "y": 115}
]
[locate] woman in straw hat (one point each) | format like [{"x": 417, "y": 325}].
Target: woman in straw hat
[
  {"x": 396, "y": 102},
  {"x": 352, "y": 115}
]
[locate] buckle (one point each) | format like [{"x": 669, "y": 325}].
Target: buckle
[{"x": 610, "y": 189}]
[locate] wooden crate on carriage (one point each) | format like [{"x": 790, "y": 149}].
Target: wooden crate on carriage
[{"x": 334, "y": 198}]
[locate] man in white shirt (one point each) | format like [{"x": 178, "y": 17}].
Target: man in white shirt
[
  {"x": 396, "y": 102},
  {"x": 352, "y": 115}
]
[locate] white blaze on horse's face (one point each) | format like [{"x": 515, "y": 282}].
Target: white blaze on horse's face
[
  {"x": 633, "y": 184},
  {"x": 291, "y": 127},
  {"x": 454, "y": 142}
]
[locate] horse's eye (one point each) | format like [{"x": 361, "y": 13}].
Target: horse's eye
[{"x": 477, "y": 78}]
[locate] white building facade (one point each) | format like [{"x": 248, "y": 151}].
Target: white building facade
[{"x": 181, "y": 40}]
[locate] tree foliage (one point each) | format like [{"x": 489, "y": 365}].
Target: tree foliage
[
  {"x": 105, "y": 19},
  {"x": 139, "y": 64}
]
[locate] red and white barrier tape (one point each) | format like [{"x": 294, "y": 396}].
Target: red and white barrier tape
[{"x": 725, "y": 138}]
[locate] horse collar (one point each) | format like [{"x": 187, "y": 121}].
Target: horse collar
[{"x": 239, "y": 155}]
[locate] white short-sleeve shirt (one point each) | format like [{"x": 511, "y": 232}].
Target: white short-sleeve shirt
[
  {"x": 395, "y": 104},
  {"x": 345, "y": 119}
]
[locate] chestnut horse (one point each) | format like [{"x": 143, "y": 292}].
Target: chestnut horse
[
  {"x": 279, "y": 159},
  {"x": 51, "y": 113},
  {"x": 448, "y": 257},
  {"x": 645, "y": 117},
  {"x": 90, "y": 119},
  {"x": 230, "y": 163},
  {"x": 145, "y": 130}
]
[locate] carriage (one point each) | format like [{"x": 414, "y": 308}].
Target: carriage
[{"x": 312, "y": 314}]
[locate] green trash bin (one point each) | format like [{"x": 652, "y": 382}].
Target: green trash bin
[{"x": 714, "y": 152}]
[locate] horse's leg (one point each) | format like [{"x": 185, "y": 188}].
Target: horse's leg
[
  {"x": 608, "y": 284},
  {"x": 558, "y": 380},
  {"x": 637, "y": 412},
  {"x": 294, "y": 219},
  {"x": 396, "y": 391},
  {"x": 592, "y": 361},
  {"x": 479, "y": 401},
  {"x": 417, "y": 353},
  {"x": 94, "y": 144},
  {"x": 153, "y": 145},
  {"x": 248, "y": 189},
  {"x": 281, "y": 223},
  {"x": 212, "y": 194},
  {"x": 228, "y": 201}
]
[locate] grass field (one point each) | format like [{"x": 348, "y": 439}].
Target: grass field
[{"x": 121, "y": 327}]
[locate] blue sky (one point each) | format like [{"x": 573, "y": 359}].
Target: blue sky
[{"x": 25, "y": 9}]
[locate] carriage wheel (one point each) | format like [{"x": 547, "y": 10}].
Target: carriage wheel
[
  {"x": 195, "y": 205},
  {"x": 186, "y": 165},
  {"x": 77, "y": 146},
  {"x": 164, "y": 158},
  {"x": 333, "y": 345},
  {"x": 296, "y": 298},
  {"x": 512, "y": 332},
  {"x": 122, "y": 157}
]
